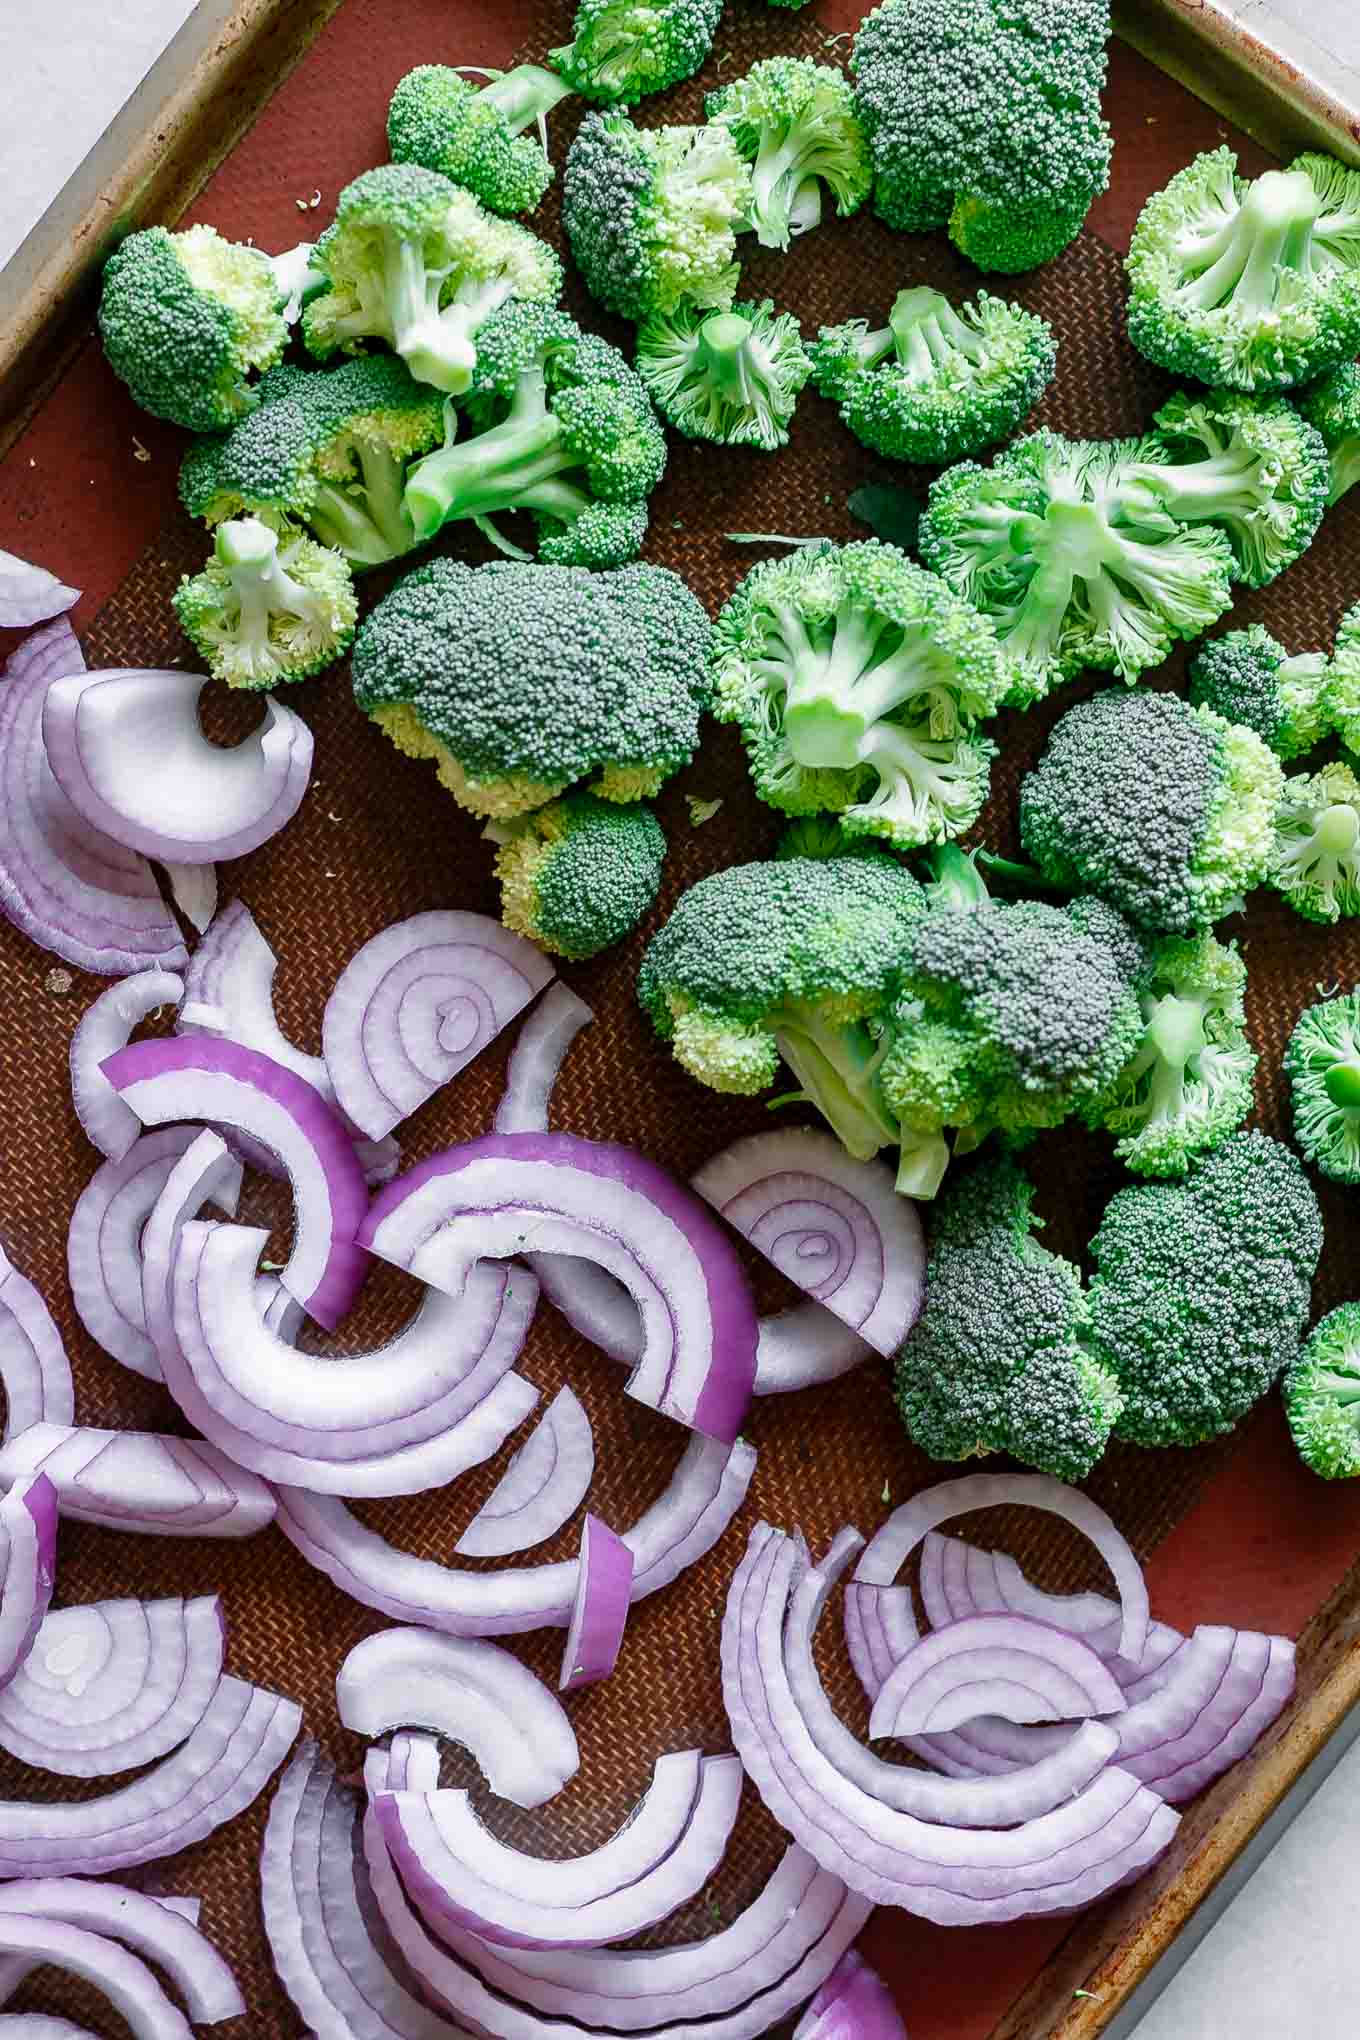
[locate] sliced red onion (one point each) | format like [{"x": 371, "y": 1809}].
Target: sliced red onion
[
  {"x": 470, "y": 1692},
  {"x": 1255, "y": 1683},
  {"x": 41, "y": 2026},
  {"x": 507, "y": 1193},
  {"x": 239, "y": 1087},
  {"x": 203, "y": 801},
  {"x": 853, "y": 2004},
  {"x": 282, "y": 1313},
  {"x": 29, "y": 594},
  {"x": 112, "y": 1685},
  {"x": 865, "y": 1637},
  {"x": 800, "y": 1347},
  {"x": 28, "y": 1568},
  {"x": 35, "y": 1373},
  {"x": 536, "y": 1060},
  {"x": 410, "y": 1763},
  {"x": 140, "y": 1481},
  {"x": 1007, "y": 1665},
  {"x": 150, "y": 1927},
  {"x": 604, "y": 1580},
  {"x": 651, "y": 1867},
  {"x": 193, "y": 888},
  {"x": 104, "y": 1243},
  {"x": 125, "y": 1980},
  {"x": 541, "y": 1488},
  {"x": 204, "y": 1174},
  {"x": 416, "y": 1004},
  {"x": 107, "y": 1025}
]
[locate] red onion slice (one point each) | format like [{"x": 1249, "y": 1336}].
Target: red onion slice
[
  {"x": 239, "y": 1087},
  {"x": 537, "y": 1058},
  {"x": 853, "y": 2004},
  {"x": 204, "y": 1174},
  {"x": 243, "y": 1737},
  {"x": 204, "y": 801},
  {"x": 1226, "y": 1714},
  {"x": 470, "y": 1692},
  {"x": 35, "y": 1373},
  {"x": 28, "y": 1569},
  {"x": 125, "y": 1980},
  {"x": 1007, "y": 1665},
  {"x": 112, "y": 1685},
  {"x": 604, "y": 1580},
  {"x": 29, "y": 594},
  {"x": 416, "y": 1004},
  {"x": 193, "y": 888},
  {"x": 40, "y": 2026},
  {"x": 106, "y": 1026},
  {"x": 150, "y": 1927},
  {"x": 800, "y": 1347},
  {"x": 140, "y": 1481},
  {"x": 541, "y": 1488},
  {"x": 507, "y": 1193}
]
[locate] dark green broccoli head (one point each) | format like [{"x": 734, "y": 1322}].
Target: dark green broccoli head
[
  {"x": 1315, "y": 859},
  {"x": 1165, "y": 810},
  {"x": 578, "y": 875},
  {"x": 795, "y": 123},
  {"x": 1332, "y": 407},
  {"x": 1202, "y": 1289},
  {"x": 475, "y": 134},
  {"x": 621, "y": 50},
  {"x": 1322, "y": 1063},
  {"x": 732, "y": 377},
  {"x": 1322, "y": 1395},
  {"x": 1248, "y": 677}
]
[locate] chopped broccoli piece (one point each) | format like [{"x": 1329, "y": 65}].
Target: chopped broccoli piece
[
  {"x": 1343, "y": 681},
  {"x": 998, "y": 1359},
  {"x": 795, "y": 123},
  {"x": 519, "y": 680},
  {"x": 1254, "y": 283},
  {"x": 414, "y": 262},
  {"x": 621, "y": 50},
  {"x": 476, "y": 135},
  {"x": 1332, "y": 407},
  {"x": 1201, "y": 1289},
  {"x": 1248, "y": 677},
  {"x": 186, "y": 318},
  {"x": 937, "y": 382},
  {"x": 733, "y": 377},
  {"x": 578, "y": 875},
  {"x": 264, "y": 611},
  {"x": 298, "y": 280},
  {"x": 1322, "y": 1063},
  {"x": 1322, "y": 1395},
  {"x": 857, "y": 681},
  {"x": 1071, "y": 575},
  {"x": 1315, "y": 862},
  {"x": 652, "y": 214},
  {"x": 1165, "y": 810},
  {"x": 984, "y": 116}
]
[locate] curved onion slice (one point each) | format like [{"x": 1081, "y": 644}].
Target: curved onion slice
[
  {"x": 28, "y": 1568},
  {"x": 508, "y": 1192},
  {"x": 112, "y": 1685},
  {"x": 150, "y": 1927},
  {"x": 686, "y": 1520},
  {"x": 29, "y": 594},
  {"x": 105, "y": 1026},
  {"x": 416, "y": 1004},
  {"x": 41, "y": 2026},
  {"x": 104, "y": 1243},
  {"x": 34, "y": 1370},
  {"x": 203, "y": 801},
  {"x": 1008, "y": 1665},
  {"x": 604, "y": 1580},
  {"x": 205, "y": 1173},
  {"x": 140, "y": 1481},
  {"x": 540, "y": 1489},
  {"x": 125, "y": 1980},
  {"x": 239, "y": 1087},
  {"x": 447, "y": 1861},
  {"x": 472, "y": 1693},
  {"x": 853, "y": 2004}
]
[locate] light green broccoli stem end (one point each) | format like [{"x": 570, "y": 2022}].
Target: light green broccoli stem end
[
  {"x": 927, "y": 332},
  {"x": 836, "y": 1066},
  {"x": 434, "y": 345},
  {"x": 1272, "y": 231},
  {"x": 839, "y": 693},
  {"x": 525, "y": 95},
  {"x": 513, "y": 465},
  {"x": 1341, "y": 1082},
  {"x": 249, "y": 551}
]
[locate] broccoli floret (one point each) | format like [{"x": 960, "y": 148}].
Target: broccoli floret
[
  {"x": 569, "y": 435},
  {"x": 1249, "y": 677},
  {"x": 1322, "y": 1395},
  {"x": 477, "y": 135},
  {"x": 1343, "y": 681},
  {"x": 857, "y": 681},
  {"x": 299, "y": 280},
  {"x": 795, "y": 123},
  {"x": 1071, "y": 576},
  {"x": 186, "y": 318},
  {"x": 519, "y": 680},
  {"x": 652, "y": 214},
  {"x": 1254, "y": 283},
  {"x": 998, "y": 1360},
  {"x": 1322, "y": 1063},
  {"x": 1315, "y": 862},
  {"x": 984, "y": 116},
  {"x": 1201, "y": 1289},
  {"x": 578, "y": 875},
  {"x": 413, "y": 261},
  {"x": 733, "y": 377},
  {"x": 1332, "y": 407},
  {"x": 1165, "y": 810},
  {"x": 265, "y": 611},
  {"x": 1188, "y": 1084},
  {"x": 936, "y": 383},
  {"x": 621, "y": 50}
]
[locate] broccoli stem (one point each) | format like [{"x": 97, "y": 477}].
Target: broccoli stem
[
  {"x": 922, "y": 1164},
  {"x": 840, "y": 692},
  {"x": 1345, "y": 465},
  {"x": 1227, "y": 485},
  {"x": 837, "y": 1069},
  {"x": 1271, "y": 231},
  {"x": 1341, "y": 1082},
  {"x": 524, "y": 95},
  {"x": 955, "y": 881},
  {"x": 262, "y": 586},
  {"x": 435, "y": 349},
  {"x": 500, "y": 469},
  {"x": 1012, "y": 872},
  {"x": 927, "y": 331},
  {"x": 365, "y": 521},
  {"x": 1343, "y": 1389},
  {"x": 805, "y": 211}
]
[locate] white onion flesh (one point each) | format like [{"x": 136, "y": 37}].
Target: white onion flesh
[
  {"x": 125, "y": 1980},
  {"x": 29, "y": 594},
  {"x": 996, "y": 1664},
  {"x": 28, "y": 1570},
  {"x": 152, "y": 1928},
  {"x": 541, "y": 1488},
  {"x": 140, "y": 1481},
  {"x": 107, "y": 1025},
  {"x": 599, "y": 1612},
  {"x": 34, "y": 1370}
]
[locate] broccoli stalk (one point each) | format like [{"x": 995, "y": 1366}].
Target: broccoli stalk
[
  {"x": 733, "y": 377},
  {"x": 1315, "y": 862},
  {"x": 794, "y": 122},
  {"x": 1322, "y": 1063},
  {"x": 1322, "y": 1395},
  {"x": 266, "y": 611}
]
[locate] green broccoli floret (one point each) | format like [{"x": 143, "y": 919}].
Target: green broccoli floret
[
  {"x": 1322, "y": 1395},
  {"x": 936, "y": 383},
  {"x": 578, "y": 875},
  {"x": 186, "y": 318},
  {"x": 519, "y": 680},
  {"x": 1165, "y": 810},
  {"x": 733, "y": 377},
  {"x": 1343, "y": 681},
  {"x": 795, "y": 123},
  {"x": 1322, "y": 1063},
  {"x": 1254, "y": 283},
  {"x": 1251, "y": 465},
  {"x": 1248, "y": 677},
  {"x": 477, "y": 135},
  {"x": 857, "y": 681},
  {"x": 1315, "y": 862},
  {"x": 264, "y": 610},
  {"x": 1332, "y": 407},
  {"x": 1188, "y": 1084},
  {"x": 1202, "y": 1288},
  {"x": 796, "y": 958},
  {"x": 998, "y": 1359},
  {"x": 413, "y": 261},
  {"x": 652, "y": 214},
  {"x": 1071, "y": 576},
  {"x": 568, "y": 435},
  {"x": 621, "y": 50},
  {"x": 984, "y": 116}
]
